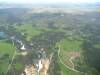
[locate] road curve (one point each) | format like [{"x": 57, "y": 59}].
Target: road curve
[{"x": 67, "y": 65}]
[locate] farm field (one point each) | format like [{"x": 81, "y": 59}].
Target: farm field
[{"x": 6, "y": 54}]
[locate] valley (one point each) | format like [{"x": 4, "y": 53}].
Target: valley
[{"x": 49, "y": 43}]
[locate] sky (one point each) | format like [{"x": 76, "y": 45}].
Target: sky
[{"x": 50, "y": 1}]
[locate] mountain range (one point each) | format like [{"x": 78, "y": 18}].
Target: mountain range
[{"x": 53, "y": 5}]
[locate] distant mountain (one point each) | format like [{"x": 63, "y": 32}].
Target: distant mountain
[
  {"x": 53, "y": 5},
  {"x": 74, "y": 5}
]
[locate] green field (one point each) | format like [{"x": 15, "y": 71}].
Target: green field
[
  {"x": 6, "y": 53},
  {"x": 66, "y": 71},
  {"x": 6, "y": 48},
  {"x": 67, "y": 46},
  {"x": 70, "y": 45},
  {"x": 97, "y": 46},
  {"x": 29, "y": 31},
  {"x": 19, "y": 66}
]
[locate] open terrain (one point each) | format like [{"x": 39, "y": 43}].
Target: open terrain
[{"x": 49, "y": 41}]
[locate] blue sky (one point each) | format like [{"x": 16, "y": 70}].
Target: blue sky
[{"x": 50, "y": 1}]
